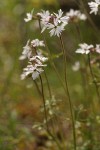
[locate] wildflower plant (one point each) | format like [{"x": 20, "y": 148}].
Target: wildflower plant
[
  {"x": 35, "y": 59},
  {"x": 55, "y": 23}
]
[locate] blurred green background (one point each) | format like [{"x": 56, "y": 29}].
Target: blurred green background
[{"x": 19, "y": 100}]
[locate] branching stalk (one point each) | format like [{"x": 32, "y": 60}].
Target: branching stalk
[
  {"x": 93, "y": 77},
  {"x": 46, "y": 118},
  {"x": 51, "y": 61},
  {"x": 67, "y": 89}
]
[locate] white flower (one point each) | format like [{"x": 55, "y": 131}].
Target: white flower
[
  {"x": 33, "y": 70},
  {"x": 36, "y": 73},
  {"x": 97, "y": 48},
  {"x": 29, "y": 17},
  {"x": 94, "y": 6},
  {"x": 76, "y": 14},
  {"x": 39, "y": 60},
  {"x": 35, "y": 67},
  {"x": 84, "y": 48},
  {"x": 26, "y": 71},
  {"x": 26, "y": 51},
  {"x": 40, "y": 56},
  {"x": 60, "y": 13},
  {"x": 54, "y": 22},
  {"x": 76, "y": 66},
  {"x": 45, "y": 16},
  {"x": 60, "y": 18},
  {"x": 36, "y": 43},
  {"x": 55, "y": 28},
  {"x": 82, "y": 16},
  {"x": 72, "y": 13}
]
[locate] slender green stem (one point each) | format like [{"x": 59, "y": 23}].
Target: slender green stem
[
  {"x": 84, "y": 77},
  {"x": 45, "y": 112},
  {"x": 51, "y": 61},
  {"x": 46, "y": 80},
  {"x": 93, "y": 77},
  {"x": 49, "y": 89},
  {"x": 37, "y": 87},
  {"x": 43, "y": 98},
  {"x": 39, "y": 91},
  {"x": 67, "y": 89},
  {"x": 46, "y": 118},
  {"x": 55, "y": 117},
  {"x": 58, "y": 75},
  {"x": 44, "y": 70},
  {"x": 55, "y": 69}
]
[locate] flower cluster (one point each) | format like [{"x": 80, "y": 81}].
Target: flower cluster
[
  {"x": 94, "y": 6},
  {"x": 35, "y": 59},
  {"x": 27, "y": 49},
  {"x": 75, "y": 15},
  {"x": 54, "y": 22},
  {"x": 86, "y": 49}
]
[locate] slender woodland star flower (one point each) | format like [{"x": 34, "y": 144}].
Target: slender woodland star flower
[
  {"x": 97, "y": 48},
  {"x": 36, "y": 43},
  {"x": 94, "y": 6},
  {"x": 35, "y": 67},
  {"x": 84, "y": 48},
  {"x": 45, "y": 16},
  {"x": 82, "y": 16},
  {"x": 31, "y": 70},
  {"x": 27, "y": 51},
  {"x": 29, "y": 17},
  {"x": 56, "y": 29},
  {"x": 36, "y": 61},
  {"x": 75, "y": 15},
  {"x": 40, "y": 58},
  {"x": 54, "y": 22},
  {"x": 60, "y": 18}
]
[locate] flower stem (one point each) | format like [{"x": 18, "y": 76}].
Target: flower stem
[
  {"x": 49, "y": 89},
  {"x": 55, "y": 69},
  {"x": 51, "y": 61},
  {"x": 93, "y": 77},
  {"x": 43, "y": 98},
  {"x": 67, "y": 89},
  {"x": 62, "y": 83},
  {"x": 37, "y": 87},
  {"x": 45, "y": 114}
]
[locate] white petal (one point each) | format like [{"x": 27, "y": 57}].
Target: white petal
[
  {"x": 81, "y": 51},
  {"x": 35, "y": 75},
  {"x": 87, "y": 52},
  {"x": 52, "y": 32}
]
